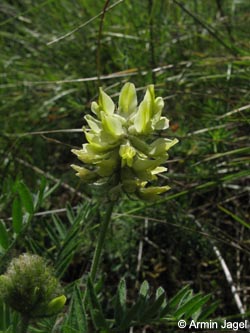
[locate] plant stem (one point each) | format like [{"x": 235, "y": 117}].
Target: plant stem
[
  {"x": 101, "y": 240},
  {"x": 151, "y": 39},
  {"x": 98, "y": 52},
  {"x": 24, "y": 324}
]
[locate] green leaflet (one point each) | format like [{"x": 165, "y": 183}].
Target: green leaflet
[
  {"x": 26, "y": 197},
  {"x": 17, "y": 215},
  {"x": 4, "y": 238},
  {"x": 95, "y": 308},
  {"x": 76, "y": 320},
  {"x": 144, "y": 289},
  {"x": 120, "y": 302}
]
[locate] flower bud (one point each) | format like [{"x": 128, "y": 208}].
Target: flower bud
[
  {"x": 56, "y": 305},
  {"x": 30, "y": 288}
]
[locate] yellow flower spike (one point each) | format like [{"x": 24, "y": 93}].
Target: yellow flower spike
[{"x": 120, "y": 151}]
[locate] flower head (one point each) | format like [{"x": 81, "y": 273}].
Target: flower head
[
  {"x": 30, "y": 288},
  {"x": 120, "y": 142}
]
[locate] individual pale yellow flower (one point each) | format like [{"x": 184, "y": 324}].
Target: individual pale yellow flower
[{"x": 121, "y": 143}]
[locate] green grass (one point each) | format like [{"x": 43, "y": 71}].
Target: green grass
[{"x": 54, "y": 56}]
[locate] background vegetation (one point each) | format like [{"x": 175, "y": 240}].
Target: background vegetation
[{"x": 54, "y": 56}]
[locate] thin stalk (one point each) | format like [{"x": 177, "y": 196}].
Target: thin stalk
[
  {"x": 227, "y": 273},
  {"x": 228, "y": 25},
  {"x": 101, "y": 241},
  {"x": 151, "y": 40},
  {"x": 209, "y": 29},
  {"x": 98, "y": 53}
]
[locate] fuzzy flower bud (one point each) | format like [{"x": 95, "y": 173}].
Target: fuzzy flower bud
[
  {"x": 121, "y": 143},
  {"x": 30, "y": 288}
]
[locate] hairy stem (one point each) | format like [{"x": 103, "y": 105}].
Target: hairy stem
[{"x": 101, "y": 240}]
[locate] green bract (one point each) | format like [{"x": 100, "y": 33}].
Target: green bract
[
  {"x": 30, "y": 288},
  {"x": 121, "y": 142}
]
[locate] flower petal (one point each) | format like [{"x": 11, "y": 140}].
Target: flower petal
[
  {"x": 84, "y": 174},
  {"x": 139, "y": 144},
  {"x": 127, "y": 153},
  {"x": 161, "y": 124},
  {"x": 105, "y": 102},
  {"x": 158, "y": 105},
  {"x": 102, "y": 142},
  {"x": 142, "y": 118},
  {"x": 93, "y": 123},
  {"x": 141, "y": 164},
  {"x": 127, "y": 99},
  {"x": 112, "y": 125},
  {"x": 107, "y": 167},
  {"x": 151, "y": 193},
  {"x": 160, "y": 146},
  {"x": 95, "y": 108},
  {"x": 158, "y": 170}
]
